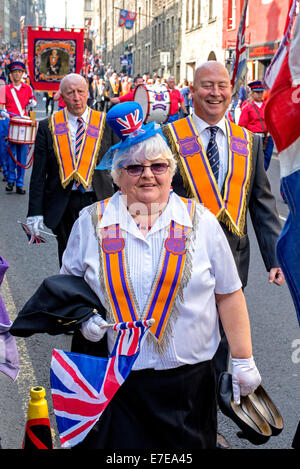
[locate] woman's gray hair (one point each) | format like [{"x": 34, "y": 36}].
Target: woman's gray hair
[{"x": 150, "y": 149}]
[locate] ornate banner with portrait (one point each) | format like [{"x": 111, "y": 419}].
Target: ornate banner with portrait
[{"x": 52, "y": 53}]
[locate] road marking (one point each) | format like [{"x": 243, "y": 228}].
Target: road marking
[{"x": 26, "y": 378}]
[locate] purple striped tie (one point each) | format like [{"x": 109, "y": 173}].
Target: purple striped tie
[
  {"x": 79, "y": 136},
  {"x": 213, "y": 152}
]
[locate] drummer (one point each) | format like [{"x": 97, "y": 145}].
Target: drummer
[{"x": 18, "y": 95}]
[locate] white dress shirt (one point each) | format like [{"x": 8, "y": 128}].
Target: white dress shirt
[
  {"x": 73, "y": 124},
  {"x": 221, "y": 140},
  {"x": 195, "y": 332}
]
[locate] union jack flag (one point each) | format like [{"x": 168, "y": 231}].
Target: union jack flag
[
  {"x": 32, "y": 238},
  {"x": 127, "y": 18},
  {"x": 130, "y": 123},
  {"x": 240, "y": 59},
  {"x": 82, "y": 385}
]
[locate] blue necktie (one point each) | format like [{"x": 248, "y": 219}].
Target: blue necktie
[
  {"x": 78, "y": 141},
  {"x": 213, "y": 152}
]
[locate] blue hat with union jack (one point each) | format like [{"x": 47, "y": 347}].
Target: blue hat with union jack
[
  {"x": 16, "y": 66},
  {"x": 126, "y": 120}
]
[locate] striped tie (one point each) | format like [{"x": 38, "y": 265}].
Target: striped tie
[
  {"x": 213, "y": 152},
  {"x": 79, "y": 135}
]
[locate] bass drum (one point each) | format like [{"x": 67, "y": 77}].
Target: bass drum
[{"x": 155, "y": 101}]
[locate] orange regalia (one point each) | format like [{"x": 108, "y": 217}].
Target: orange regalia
[
  {"x": 82, "y": 168},
  {"x": 172, "y": 275},
  {"x": 230, "y": 208}
]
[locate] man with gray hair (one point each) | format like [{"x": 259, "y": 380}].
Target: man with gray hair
[{"x": 68, "y": 147}]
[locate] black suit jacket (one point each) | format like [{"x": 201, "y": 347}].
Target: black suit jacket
[
  {"x": 47, "y": 197},
  {"x": 263, "y": 212}
]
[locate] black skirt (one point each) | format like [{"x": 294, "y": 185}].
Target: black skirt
[{"x": 168, "y": 409}]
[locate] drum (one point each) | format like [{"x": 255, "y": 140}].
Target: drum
[
  {"x": 22, "y": 131},
  {"x": 155, "y": 101}
]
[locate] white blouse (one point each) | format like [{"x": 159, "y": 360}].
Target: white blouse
[{"x": 195, "y": 332}]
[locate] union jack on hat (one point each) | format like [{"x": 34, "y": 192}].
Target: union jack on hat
[
  {"x": 256, "y": 86},
  {"x": 126, "y": 120},
  {"x": 16, "y": 66}
]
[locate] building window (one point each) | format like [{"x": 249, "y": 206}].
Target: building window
[
  {"x": 187, "y": 14},
  {"x": 231, "y": 17},
  {"x": 199, "y": 13},
  {"x": 211, "y": 10},
  {"x": 88, "y": 5}
]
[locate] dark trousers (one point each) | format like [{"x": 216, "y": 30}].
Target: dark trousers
[
  {"x": 77, "y": 202},
  {"x": 167, "y": 409}
]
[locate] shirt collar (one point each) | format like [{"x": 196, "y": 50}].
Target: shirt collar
[
  {"x": 73, "y": 118},
  {"x": 116, "y": 213},
  {"x": 201, "y": 125}
]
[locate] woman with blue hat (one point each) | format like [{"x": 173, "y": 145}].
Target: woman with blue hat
[{"x": 150, "y": 254}]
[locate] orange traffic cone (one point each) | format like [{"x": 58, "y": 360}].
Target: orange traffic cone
[{"x": 38, "y": 430}]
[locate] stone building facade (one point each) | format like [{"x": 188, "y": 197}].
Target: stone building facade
[{"x": 169, "y": 37}]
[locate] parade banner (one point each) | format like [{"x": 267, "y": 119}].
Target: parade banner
[
  {"x": 282, "y": 115},
  {"x": 53, "y": 53}
]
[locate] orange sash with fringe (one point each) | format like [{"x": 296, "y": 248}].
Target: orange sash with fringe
[
  {"x": 167, "y": 279},
  {"x": 198, "y": 176},
  {"x": 82, "y": 168}
]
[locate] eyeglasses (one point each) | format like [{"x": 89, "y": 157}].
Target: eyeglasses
[{"x": 138, "y": 169}]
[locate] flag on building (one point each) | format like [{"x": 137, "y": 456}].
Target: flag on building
[
  {"x": 282, "y": 115},
  {"x": 127, "y": 18},
  {"x": 82, "y": 386},
  {"x": 240, "y": 57}
]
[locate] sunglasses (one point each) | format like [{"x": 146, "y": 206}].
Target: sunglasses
[{"x": 138, "y": 169}]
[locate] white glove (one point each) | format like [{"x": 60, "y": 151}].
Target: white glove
[
  {"x": 32, "y": 102},
  {"x": 91, "y": 329},
  {"x": 3, "y": 113},
  {"x": 35, "y": 224},
  {"x": 245, "y": 377}
]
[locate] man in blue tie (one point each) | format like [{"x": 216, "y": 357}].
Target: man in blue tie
[
  {"x": 68, "y": 146},
  {"x": 233, "y": 162}
]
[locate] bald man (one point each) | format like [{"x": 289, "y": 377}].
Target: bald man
[
  {"x": 222, "y": 166},
  {"x": 69, "y": 145}
]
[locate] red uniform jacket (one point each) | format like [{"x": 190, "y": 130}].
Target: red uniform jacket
[
  {"x": 250, "y": 120},
  {"x": 24, "y": 94}
]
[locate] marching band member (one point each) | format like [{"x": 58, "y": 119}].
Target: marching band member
[
  {"x": 63, "y": 180},
  {"x": 252, "y": 118},
  {"x": 18, "y": 96},
  {"x": 168, "y": 259}
]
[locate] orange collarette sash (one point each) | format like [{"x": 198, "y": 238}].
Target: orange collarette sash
[
  {"x": 69, "y": 169},
  {"x": 123, "y": 304},
  {"x": 199, "y": 179}
]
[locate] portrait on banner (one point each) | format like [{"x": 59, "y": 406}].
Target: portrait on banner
[{"x": 54, "y": 59}]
